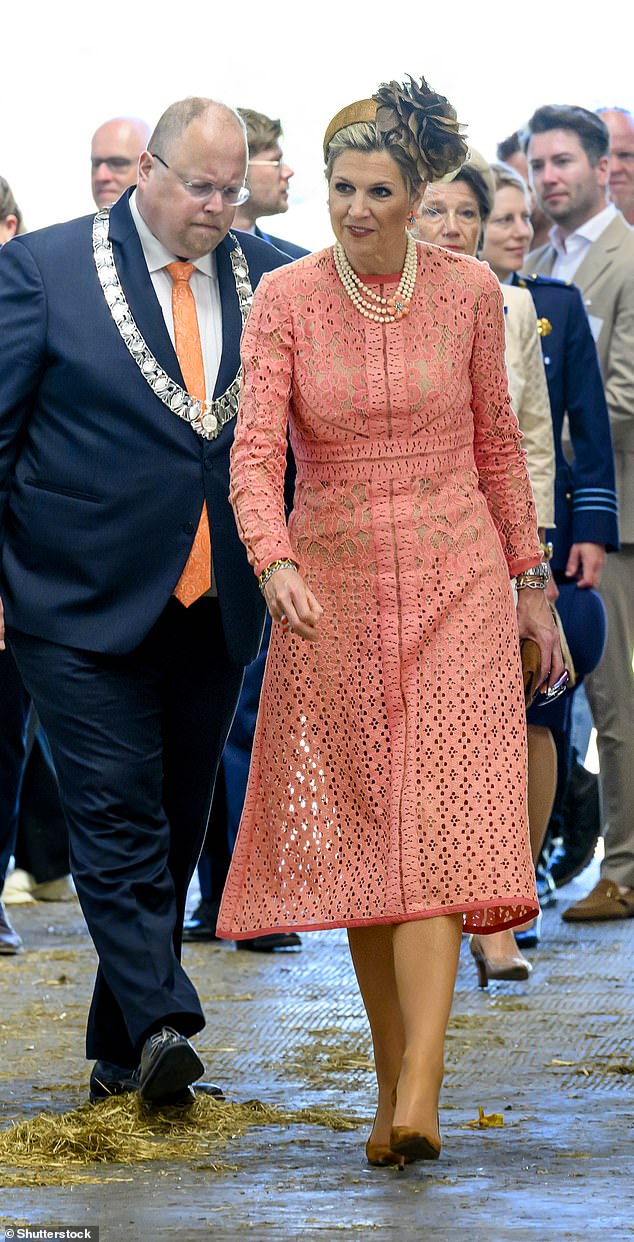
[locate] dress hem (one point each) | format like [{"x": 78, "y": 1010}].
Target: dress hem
[{"x": 532, "y": 908}]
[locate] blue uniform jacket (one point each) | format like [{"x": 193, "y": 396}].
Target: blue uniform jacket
[
  {"x": 101, "y": 486},
  {"x": 585, "y": 497}
]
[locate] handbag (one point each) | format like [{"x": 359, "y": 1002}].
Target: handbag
[{"x": 531, "y": 661}]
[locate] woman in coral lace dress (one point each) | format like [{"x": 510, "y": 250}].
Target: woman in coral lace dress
[{"x": 387, "y": 791}]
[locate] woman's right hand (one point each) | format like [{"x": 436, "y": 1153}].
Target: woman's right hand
[{"x": 287, "y": 596}]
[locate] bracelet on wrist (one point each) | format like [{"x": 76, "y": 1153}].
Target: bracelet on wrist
[
  {"x": 547, "y": 551},
  {"x": 535, "y": 579},
  {"x": 272, "y": 569}
]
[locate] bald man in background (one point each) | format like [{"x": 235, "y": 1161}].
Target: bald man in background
[
  {"x": 114, "y": 155},
  {"x": 620, "y": 123}
]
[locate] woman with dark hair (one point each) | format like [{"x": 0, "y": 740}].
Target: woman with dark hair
[{"x": 387, "y": 787}]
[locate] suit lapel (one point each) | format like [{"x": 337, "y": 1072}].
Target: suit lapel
[
  {"x": 599, "y": 257},
  {"x": 138, "y": 288},
  {"x": 231, "y": 320},
  {"x": 540, "y": 261}
]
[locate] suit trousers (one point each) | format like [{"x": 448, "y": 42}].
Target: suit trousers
[
  {"x": 15, "y": 704},
  {"x": 610, "y": 691},
  {"x": 137, "y": 740}
]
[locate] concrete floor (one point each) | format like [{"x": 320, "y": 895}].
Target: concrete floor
[{"x": 554, "y": 1055}]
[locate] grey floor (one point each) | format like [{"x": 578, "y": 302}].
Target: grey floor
[{"x": 554, "y": 1055}]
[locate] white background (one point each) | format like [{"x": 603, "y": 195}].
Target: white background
[{"x": 66, "y": 67}]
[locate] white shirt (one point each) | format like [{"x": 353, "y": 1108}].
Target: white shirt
[
  {"x": 204, "y": 286},
  {"x": 572, "y": 250}
]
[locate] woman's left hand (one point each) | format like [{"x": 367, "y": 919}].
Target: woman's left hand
[{"x": 535, "y": 620}]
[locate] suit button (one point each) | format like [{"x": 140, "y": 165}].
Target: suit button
[
  {"x": 189, "y": 528},
  {"x": 208, "y": 463}
]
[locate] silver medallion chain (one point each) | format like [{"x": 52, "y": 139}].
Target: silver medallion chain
[{"x": 206, "y": 418}]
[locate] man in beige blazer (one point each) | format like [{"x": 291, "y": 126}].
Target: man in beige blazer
[{"x": 592, "y": 244}]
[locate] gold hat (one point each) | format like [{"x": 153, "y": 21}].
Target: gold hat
[{"x": 352, "y": 114}]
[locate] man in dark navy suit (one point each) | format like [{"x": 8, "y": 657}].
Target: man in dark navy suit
[{"x": 113, "y": 481}]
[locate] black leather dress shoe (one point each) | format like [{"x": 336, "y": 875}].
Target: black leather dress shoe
[
  {"x": 108, "y": 1079},
  {"x": 271, "y": 943},
  {"x": 202, "y": 924},
  {"x": 168, "y": 1065},
  {"x": 10, "y": 942}
]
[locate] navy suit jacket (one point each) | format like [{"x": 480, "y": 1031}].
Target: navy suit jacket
[
  {"x": 286, "y": 247},
  {"x": 585, "y": 497},
  {"x": 101, "y": 486}
]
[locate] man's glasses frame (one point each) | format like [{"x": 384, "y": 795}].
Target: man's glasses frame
[{"x": 232, "y": 196}]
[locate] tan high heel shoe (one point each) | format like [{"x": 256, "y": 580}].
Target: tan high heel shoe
[
  {"x": 380, "y": 1154},
  {"x": 515, "y": 966},
  {"x": 410, "y": 1144}
]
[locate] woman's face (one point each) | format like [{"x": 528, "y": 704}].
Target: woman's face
[
  {"x": 369, "y": 204},
  {"x": 450, "y": 217},
  {"x": 509, "y": 232}
]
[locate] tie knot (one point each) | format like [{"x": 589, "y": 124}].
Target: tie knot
[{"x": 180, "y": 271}]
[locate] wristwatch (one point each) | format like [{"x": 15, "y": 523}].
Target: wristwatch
[{"x": 535, "y": 578}]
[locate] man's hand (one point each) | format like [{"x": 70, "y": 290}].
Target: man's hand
[
  {"x": 293, "y": 604},
  {"x": 585, "y": 563}
]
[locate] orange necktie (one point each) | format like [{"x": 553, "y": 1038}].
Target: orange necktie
[{"x": 195, "y": 579}]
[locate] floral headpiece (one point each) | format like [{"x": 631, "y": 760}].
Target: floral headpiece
[{"x": 423, "y": 123}]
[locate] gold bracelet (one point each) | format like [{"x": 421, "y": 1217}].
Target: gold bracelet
[
  {"x": 272, "y": 569},
  {"x": 547, "y": 551}
]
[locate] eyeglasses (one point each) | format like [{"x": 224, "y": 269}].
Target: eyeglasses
[
  {"x": 466, "y": 215},
  {"x": 114, "y": 163},
  {"x": 232, "y": 195},
  {"x": 269, "y": 163}
]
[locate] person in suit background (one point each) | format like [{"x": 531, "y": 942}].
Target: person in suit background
[
  {"x": 620, "y": 124},
  {"x": 268, "y": 178},
  {"x": 114, "y": 155},
  {"x": 592, "y": 244},
  {"x": 585, "y": 500},
  {"x": 131, "y": 609}
]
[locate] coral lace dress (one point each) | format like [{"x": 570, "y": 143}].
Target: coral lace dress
[{"x": 388, "y": 778}]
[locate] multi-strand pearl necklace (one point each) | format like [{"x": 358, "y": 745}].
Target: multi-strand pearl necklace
[{"x": 370, "y": 304}]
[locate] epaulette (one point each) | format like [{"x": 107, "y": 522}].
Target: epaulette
[{"x": 536, "y": 278}]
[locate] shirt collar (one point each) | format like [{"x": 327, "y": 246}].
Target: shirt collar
[
  {"x": 157, "y": 256},
  {"x": 587, "y": 232}
]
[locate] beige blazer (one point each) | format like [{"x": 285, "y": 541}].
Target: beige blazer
[
  {"x": 529, "y": 397},
  {"x": 606, "y": 280}
]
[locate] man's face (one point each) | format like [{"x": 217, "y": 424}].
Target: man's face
[
  {"x": 114, "y": 155},
  {"x": 212, "y": 150},
  {"x": 621, "y": 183},
  {"x": 268, "y": 178},
  {"x": 569, "y": 188}
]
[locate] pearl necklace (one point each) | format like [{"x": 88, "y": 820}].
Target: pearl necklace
[{"x": 370, "y": 304}]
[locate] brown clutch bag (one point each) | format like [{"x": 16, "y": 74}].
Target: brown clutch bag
[{"x": 531, "y": 663}]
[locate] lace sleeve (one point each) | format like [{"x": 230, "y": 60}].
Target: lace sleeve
[
  {"x": 258, "y": 455},
  {"x": 499, "y": 459}
]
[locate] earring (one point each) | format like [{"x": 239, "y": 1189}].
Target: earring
[{"x": 411, "y": 219}]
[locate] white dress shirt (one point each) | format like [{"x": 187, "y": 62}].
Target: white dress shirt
[
  {"x": 572, "y": 250},
  {"x": 204, "y": 286}
]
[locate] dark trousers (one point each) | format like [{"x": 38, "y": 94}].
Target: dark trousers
[
  {"x": 32, "y": 824},
  {"x": 136, "y": 741},
  {"x": 14, "y": 710},
  {"x": 231, "y": 786}
]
